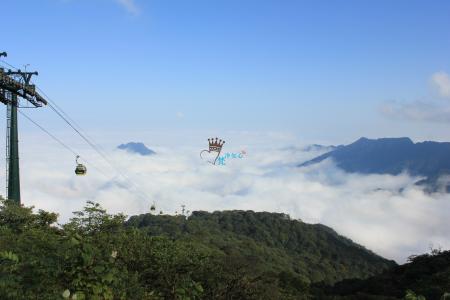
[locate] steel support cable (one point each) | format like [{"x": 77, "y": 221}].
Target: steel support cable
[
  {"x": 76, "y": 130},
  {"x": 11, "y": 66},
  {"x": 78, "y": 127},
  {"x": 60, "y": 142},
  {"x": 115, "y": 168},
  {"x": 66, "y": 118},
  {"x": 62, "y": 111},
  {"x": 48, "y": 133},
  {"x": 69, "y": 120},
  {"x": 99, "y": 149}
]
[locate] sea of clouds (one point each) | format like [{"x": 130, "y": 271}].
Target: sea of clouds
[{"x": 387, "y": 214}]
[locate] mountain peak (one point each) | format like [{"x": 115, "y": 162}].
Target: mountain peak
[
  {"x": 138, "y": 148},
  {"x": 399, "y": 140},
  {"x": 391, "y": 156}
]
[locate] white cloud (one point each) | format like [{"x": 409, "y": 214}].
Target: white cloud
[
  {"x": 423, "y": 111},
  {"x": 441, "y": 82},
  {"x": 387, "y": 214},
  {"x": 130, "y": 6}
]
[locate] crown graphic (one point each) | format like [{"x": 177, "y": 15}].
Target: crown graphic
[{"x": 215, "y": 144}]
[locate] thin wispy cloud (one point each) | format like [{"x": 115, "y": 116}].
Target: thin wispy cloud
[
  {"x": 420, "y": 111},
  {"x": 130, "y": 6},
  {"x": 434, "y": 110},
  {"x": 441, "y": 81}
]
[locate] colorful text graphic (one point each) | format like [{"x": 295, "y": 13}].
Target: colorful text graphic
[{"x": 221, "y": 159}]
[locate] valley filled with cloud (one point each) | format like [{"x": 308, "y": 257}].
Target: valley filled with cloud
[{"x": 387, "y": 214}]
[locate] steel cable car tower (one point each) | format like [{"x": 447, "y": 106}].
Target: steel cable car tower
[{"x": 15, "y": 85}]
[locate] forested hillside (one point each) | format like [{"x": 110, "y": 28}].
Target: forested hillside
[
  {"x": 220, "y": 255},
  {"x": 426, "y": 275},
  {"x": 272, "y": 241}
]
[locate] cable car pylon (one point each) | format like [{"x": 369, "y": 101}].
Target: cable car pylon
[{"x": 15, "y": 85}]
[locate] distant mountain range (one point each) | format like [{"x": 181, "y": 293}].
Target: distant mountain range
[
  {"x": 138, "y": 148},
  {"x": 393, "y": 156},
  {"x": 317, "y": 147},
  {"x": 311, "y": 148}
]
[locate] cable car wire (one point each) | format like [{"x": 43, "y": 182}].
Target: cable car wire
[
  {"x": 73, "y": 122},
  {"x": 65, "y": 117},
  {"x": 70, "y": 149},
  {"x": 9, "y": 65},
  {"x": 100, "y": 152},
  {"x": 48, "y": 133},
  {"x": 60, "y": 142},
  {"x": 61, "y": 110}
]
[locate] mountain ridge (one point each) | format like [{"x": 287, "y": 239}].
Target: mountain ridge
[
  {"x": 426, "y": 274},
  {"x": 276, "y": 242},
  {"x": 136, "y": 147},
  {"x": 392, "y": 156}
]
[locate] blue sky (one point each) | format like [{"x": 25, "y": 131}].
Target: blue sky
[{"x": 317, "y": 69}]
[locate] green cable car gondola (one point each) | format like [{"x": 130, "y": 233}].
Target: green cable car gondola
[{"x": 80, "y": 170}]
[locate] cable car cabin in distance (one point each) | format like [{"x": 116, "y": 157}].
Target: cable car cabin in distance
[{"x": 80, "y": 170}]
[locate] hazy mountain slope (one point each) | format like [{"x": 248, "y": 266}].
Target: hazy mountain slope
[
  {"x": 427, "y": 275},
  {"x": 392, "y": 156},
  {"x": 273, "y": 241},
  {"x": 138, "y": 148}
]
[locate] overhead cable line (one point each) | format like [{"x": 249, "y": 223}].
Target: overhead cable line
[
  {"x": 99, "y": 151},
  {"x": 61, "y": 110},
  {"x": 78, "y": 128},
  {"x": 65, "y": 117},
  {"x": 59, "y": 141},
  {"x": 48, "y": 133},
  {"x": 8, "y": 64}
]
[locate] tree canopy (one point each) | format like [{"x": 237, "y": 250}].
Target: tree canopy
[{"x": 220, "y": 255}]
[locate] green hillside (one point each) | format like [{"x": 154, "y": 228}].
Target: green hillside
[
  {"x": 427, "y": 275},
  {"x": 273, "y": 241},
  {"x": 220, "y": 255}
]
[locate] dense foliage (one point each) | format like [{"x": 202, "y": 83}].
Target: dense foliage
[
  {"x": 426, "y": 276},
  {"x": 92, "y": 257},
  {"x": 221, "y": 255},
  {"x": 274, "y": 243}
]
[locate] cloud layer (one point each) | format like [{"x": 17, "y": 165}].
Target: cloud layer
[
  {"x": 421, "y": 111},
  {"x": 435, "y": 110},
  {"x": 441, "y": 82},
  {"x": 387, "y": 214}
]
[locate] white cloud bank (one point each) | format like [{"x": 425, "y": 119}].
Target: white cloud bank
[
  {"x": 441, "y": 82},
  {"x": 373, "y": 210},
  {"x": 436, "y": 111},
  {"x": 421, "y": 111}
]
